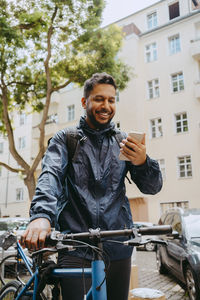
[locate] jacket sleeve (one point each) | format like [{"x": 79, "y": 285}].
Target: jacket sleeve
[
  {"x": 147, "y": 177},
  {"x": 50, "y": 182}
]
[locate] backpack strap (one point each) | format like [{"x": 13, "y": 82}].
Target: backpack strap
[
  {"x": 119, "y": 136},
  {"x": 74, "y": 139}
]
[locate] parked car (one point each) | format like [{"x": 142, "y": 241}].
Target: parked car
[
  {"x": 9, "y": 224},
  {"x": 181, "y": 254},
  {"x": 149, "y": 246}
]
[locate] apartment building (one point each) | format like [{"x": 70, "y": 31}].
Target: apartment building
[
  {"x": 14, "y": 200},
  {"x": 162, "y": 45}
]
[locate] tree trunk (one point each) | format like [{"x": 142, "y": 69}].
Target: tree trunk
[{"x": 30, "y": 183}]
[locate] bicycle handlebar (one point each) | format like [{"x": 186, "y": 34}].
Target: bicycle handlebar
[{"x": 97, "y": 233}]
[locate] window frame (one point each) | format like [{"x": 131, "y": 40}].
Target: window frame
[
  {"x": 21, "y": 145},
  {"x": 151, "y": 54},
  {"x": 152, "y": 20},
  {"x": 153, "y": 88},
  {"x": 21, "y": 194},
  {"x": 181, "y": 121},
  {"x": 185, "y": 166},
  {"x": 178, "y": 80},
  {"x": 173, "y": 49},
  {"x": 162, "y": 167},
  {"x": 173, "y": 4},
  {"x": 70, "y": 114},
  {"x": 157, "y": 125}
]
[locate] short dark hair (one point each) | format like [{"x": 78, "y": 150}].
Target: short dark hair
[{"x": 97, "y": 78}]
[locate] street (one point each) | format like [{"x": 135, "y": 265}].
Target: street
[{"x": 149, "y": 277}]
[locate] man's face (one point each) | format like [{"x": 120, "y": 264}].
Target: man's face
[{"x": 100, "y": 106}]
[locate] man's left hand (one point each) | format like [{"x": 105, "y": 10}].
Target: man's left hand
[{"x": 134, "y": 150}]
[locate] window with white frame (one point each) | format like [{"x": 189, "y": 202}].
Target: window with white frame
[
  {"x": 22, "y": 142},
  {"x": 177, "y": 82},
  {"x": 174, "y": 44},
  {"x": 70, "y": 113},
  {"x": 181, "y": 122},
  {"x": 19, "y": 194},
  {"x": 151, "y": 52},
  {"x": 162, "y": 167},
  {"x": 184, "y": 166},
  {"x": 156, "y": 128},
  {"x": 153, "y": 88},
  {"x": 152, "y": 20},
  {"x": 1, "y": 147},
  {"x": 22, "y": 119}
]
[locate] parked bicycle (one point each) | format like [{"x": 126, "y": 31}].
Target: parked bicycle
[{"x": 32, "y": 289}]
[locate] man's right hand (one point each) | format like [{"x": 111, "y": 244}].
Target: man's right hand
[{"x": 35, "y": 234}]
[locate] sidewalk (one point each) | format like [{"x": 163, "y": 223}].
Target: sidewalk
[{"x": 149, "y": 277}]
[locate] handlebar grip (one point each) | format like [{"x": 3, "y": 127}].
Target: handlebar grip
[{"x": 155, "y": 230}]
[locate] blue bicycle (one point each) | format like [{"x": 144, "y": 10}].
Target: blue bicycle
[{"x": 30, "y": 290}]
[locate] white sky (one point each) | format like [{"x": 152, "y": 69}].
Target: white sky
[{"x": 118, "y": 9}]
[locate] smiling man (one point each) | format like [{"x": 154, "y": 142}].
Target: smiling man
[{"x": 89, "y": 191}]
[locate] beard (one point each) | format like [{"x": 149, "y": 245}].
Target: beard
[{"x": 95, "y": 123}]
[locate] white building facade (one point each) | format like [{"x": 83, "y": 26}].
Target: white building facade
[{"x": 162, "y": 45}]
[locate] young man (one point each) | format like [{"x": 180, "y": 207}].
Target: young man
[{"x": 89, "y": 192}]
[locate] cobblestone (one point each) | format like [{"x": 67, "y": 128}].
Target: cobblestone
[{"x": 149, "y": 277}]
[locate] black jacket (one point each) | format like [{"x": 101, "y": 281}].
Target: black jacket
[{"x": 90, "y": 192}]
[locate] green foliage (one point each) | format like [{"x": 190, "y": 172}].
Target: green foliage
[{"x": 77, "y": 48}]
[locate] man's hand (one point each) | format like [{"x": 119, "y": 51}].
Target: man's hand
[
  {"x": 35, "y": 234},
  {"x": 134, "y": 150}
]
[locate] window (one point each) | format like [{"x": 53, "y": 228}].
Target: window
[
  {"x": 162, "y": 167},
  {"x": 174, "y": 11},
  {"x": 151, "y": 52},
  {"x": 184, "y": 166},
  {"x": 19, "y": 194},
  {"x": 22, "y": 142},
  {"x": 1, "y": 148},
  {"x": 152, "y": 20},
  {"x": 118, "y": 125},
  {"x": 22, "y": 119},
  {"x": 181, "y": 122},
  {"x": 177, "y": 82},
  {"x": 117, "y": 96},
  {"x": 153, "y": 88},
  {"x": 156, "y": 128},
  {"x": 70, "y": 113},
  {"x": 174, "y": 44}
]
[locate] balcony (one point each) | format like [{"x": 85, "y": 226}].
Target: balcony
[
  {"x": 195, "y": 49},
  {"x": 197, "y": 89}
]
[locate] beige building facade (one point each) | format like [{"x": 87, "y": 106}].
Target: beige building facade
[{"x": 162, "y": 45}]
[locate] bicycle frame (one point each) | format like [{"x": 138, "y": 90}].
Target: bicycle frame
[{"x": 96, "y": 272}]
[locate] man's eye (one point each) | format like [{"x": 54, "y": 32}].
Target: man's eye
[
  {"x": 112, "y": 100},
  {"x": 99, "y": 99}
]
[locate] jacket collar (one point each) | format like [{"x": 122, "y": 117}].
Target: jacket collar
[{"x": 108, "y": 130}]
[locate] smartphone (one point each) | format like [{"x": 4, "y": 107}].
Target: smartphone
[{"x": 135, "y": 134}]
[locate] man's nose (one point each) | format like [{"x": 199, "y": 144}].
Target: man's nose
[{"x": 106, "y": 104}]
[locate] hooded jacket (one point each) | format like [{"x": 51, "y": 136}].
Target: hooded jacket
[{"x": 89, "y": 192}]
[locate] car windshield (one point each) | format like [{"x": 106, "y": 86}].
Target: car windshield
[{"x": 192, "y": 226}]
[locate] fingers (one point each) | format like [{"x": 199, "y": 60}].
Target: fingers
[
  {"x": 134, "y": 150},
  {"x": 35, "y": 235}
]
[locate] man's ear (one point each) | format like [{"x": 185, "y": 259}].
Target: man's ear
[{"x": 83, "y": 101}]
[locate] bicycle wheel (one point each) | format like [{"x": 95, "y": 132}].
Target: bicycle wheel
[
  {"x": 12, "y": 268},
  {"x": 10, "y": 290}
]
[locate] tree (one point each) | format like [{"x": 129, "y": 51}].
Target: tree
[{"x": 44, "y": 46}]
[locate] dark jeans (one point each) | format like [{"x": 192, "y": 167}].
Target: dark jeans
[{"x": 117, "y": 279}]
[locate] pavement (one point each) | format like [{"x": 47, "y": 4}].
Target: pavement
[{"x": 149, "y": 277}]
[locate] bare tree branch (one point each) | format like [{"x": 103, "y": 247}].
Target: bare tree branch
[{"x": 12, "y": 169}]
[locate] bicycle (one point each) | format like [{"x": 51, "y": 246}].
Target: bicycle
[{"x": 16, "y": 290}]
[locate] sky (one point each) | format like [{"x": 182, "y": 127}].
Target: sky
[{"x": 118, "y": 9}]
